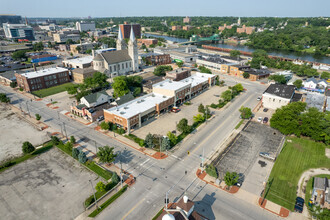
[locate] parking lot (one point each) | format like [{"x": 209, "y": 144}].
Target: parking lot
[
  {"x": 242, "y": 155},
  {"x": 167, "y": 121},
  {"x": 50, "y": 186},
  {"x": 15, "y": 131}
]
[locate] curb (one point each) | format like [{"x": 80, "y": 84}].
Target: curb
[{"x": 283, "y": 212}]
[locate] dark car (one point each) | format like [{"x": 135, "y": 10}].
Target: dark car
[
  {"x": 299, "y": 206},
  {"x": 265, "y": 120},
  {"x": 265, "y": 109}
]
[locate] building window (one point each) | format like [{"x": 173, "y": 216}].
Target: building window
[
  {"x": 126, "y": 65},
  {"x": 122, "y": 66}
]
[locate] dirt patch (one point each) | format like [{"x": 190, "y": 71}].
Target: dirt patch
[{"x": 298, "y": 146}]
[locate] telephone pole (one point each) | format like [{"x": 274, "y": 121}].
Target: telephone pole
[
  {"x": 94, "y": 195},
  {"x": 27, "y": 107},
  {"x": 66, "y": 136}
]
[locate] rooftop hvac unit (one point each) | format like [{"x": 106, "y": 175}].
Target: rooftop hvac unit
[
  {"x": 142, "y": 100},
  {"x": 164, "y": 96},
  {"x": 138, "y": 102},
  {"x": 122, "y": 113},
  {"x": 125, "y": 107},
  {"x": 153, "y": 95}
]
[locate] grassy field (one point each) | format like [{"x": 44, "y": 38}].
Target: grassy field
[
  {"x": 296, "y": 157},
  {"x": 52, "y": 90}
]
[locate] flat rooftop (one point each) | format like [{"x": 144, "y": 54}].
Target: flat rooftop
[
  {"x": 197, "y": 79},
  {"x": 139, "y": 105},
  {"x": 80, "y": 60},
  {"x": 171, "y": 85},
  {"x": 182, "y": 54},
  {"x": 43, "y": 72}
]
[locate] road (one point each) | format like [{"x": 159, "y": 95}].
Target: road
[{"x": 155, "y": 177}]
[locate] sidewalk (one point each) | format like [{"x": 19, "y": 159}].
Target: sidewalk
[
  {"x": 149, "y": 152},
  {"x": 273, "y": 208}
]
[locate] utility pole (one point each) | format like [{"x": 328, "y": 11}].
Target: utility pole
[
  {"x": 95, "y": 146},
  {"x": 94, "y": 195},
  {"x": 121, "y": 173},
  {"x": 66, "y": 136},
  {"x": 27, "y": 107},
  {"x": 203, "y": 159}
]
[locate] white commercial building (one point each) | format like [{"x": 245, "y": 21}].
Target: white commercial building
[
  {"x": 82, "y": 62},
  {"x": 18, "y": 31},
  {"x": 277, "y": 95},
  {"x": 85, "y": 26}
]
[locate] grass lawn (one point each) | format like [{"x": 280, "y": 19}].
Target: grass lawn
[
  {"x": 239, "y": 124},
  {"x": 296, "y": 157},
  {"x": 52, "y": 90},
  {"x": 158, "y": 214}
]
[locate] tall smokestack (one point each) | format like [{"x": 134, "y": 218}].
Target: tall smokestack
[{"x": 26, "y": 22}]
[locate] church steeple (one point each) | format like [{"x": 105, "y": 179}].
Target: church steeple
[
  {"x": 133, "y": 50},
  {"x": 121, "y": 44}
]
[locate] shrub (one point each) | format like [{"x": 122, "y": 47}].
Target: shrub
[
  {"x": 142, "y": 143},
  {"x": 75, "y": 153},
  {"x": 72, "y": 140},
  {"x": 115, "y": 178},
  {"x": 82, "y": 157},
  {"x": 231, "y": 178},
  {"x": 38, "y": 117},
  {"x": 214, "y": 105},
  {"x": 4, "y": 98},
  {"x": 13, "y": 84},
  {"x": 20, "y": 89},
  {"x": 212, "y": 171},
  {"x": 149, "y": 141},
  {"x": 100, "y": 187},
  {"x": 104, "y": 125},
  {"x": 55, "y": 140},
  {"x": 69, "y": 146},
  {"x": 27, "y": 147},
  {"x": 173, "y": 138}
]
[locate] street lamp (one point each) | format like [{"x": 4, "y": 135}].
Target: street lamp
[{"x": 94, "y": 195}]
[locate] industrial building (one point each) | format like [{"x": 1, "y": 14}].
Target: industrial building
[
  {"x": 82, "y": 62},
  {"x": 41, "y": 79},
  {"x": 43, "y": 58},
  {"x": 62, "y": 37},
  {"x": 85, "y": 26},
  {"x": 18, "y": 31}
]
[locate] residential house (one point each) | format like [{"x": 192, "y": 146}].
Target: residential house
[
  {"x": 315, "y": 85},
  {"x": 321, "y": 193}
]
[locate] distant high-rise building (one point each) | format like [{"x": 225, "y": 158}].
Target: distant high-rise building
[
  {"x": 85, "y": 26},
  {"x": 126, "y": 30},
  {"x": 239, "y": 21},
  {"x": 187, "y": 20},
  {"x": 18, "y": 31},
  {"x": 11, "y": 19}
]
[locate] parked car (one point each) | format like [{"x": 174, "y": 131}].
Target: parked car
[
  {"x": 265, "y": 110},
  {"x": 259, "y": 98},
  {"x": 299, "y": 206},
  {"x": 175, "y": 109},
  {"x": 100, "y": 118},
  {"x": 260, "y": 119},
  {"x": 265, "y": 120}
]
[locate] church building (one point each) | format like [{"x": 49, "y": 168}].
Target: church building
[{"x": 123, "y": 61}]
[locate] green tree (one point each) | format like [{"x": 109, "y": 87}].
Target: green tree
[
  {"x": 75, "y": 153},
  {"x": 227, "y": 95},
  {"x": 278, "y": 78},
  {"x": 19, "y": 55},
  {"x": 204, "y": 69},
  {"x": 72, "y": 90},
  {"x": 298, "y": 83},
  {"x": 199, "y": 118},
  {"x": 180, "y": 64},
  {"x": 69, "y": 41},
  {"x": 259, "y": 57},
  {"x": 166, "y": 144},
  {"x": 235, "y": 53},
  {"x": 212, "y": 171},
  {"x": 38, "y": 46},
  {"x": 38, "y": 117},
  {"x": 238, "y": 88},
  {"x": 183, "y": 126},
  {"x": 69, "y": 146},
  {"x": 173, "y": 138},
  {"x": 201, "y": 109},
  {"x": 231, "y": 178},
  {"x": 82, "y": 157},
  {"x": 246, "y": 112},
  {"x": 106, "y": 154},
  {"x": 246, "y": 75},
  {"x": 55, "y": 140},
  {"x": 120, "y": 86},
  {"x": 13, "y": 84},
  {"x": 149, "y": 141},
  {"x": 100, "y": 187},
  {"x": 325, "y": 75},
  {"x": 137, "y": 91},
  {"x": 105, "y": 125},
  {"x": 4, "y": 98},
  {"x": 27, "y": 147},
  {"x": 89, "y": 51},
  {"x": 78, "y": 48},
  {"x": 72, "y": 139},
  {"x": 161, "y": 70}
]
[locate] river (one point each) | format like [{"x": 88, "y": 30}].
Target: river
[{"x": 292, "y": 55}]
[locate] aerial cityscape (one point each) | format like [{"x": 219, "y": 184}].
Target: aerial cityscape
[{"x": 174, "y": 110}]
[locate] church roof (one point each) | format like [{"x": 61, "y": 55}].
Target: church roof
[
  {"x": 118, "y": 56},
  {"x": 98, "y": 57}
]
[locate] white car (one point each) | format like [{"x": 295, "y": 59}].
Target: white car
[
  {"x": 259, "y": 98},
  {"x": 260, "y": 119}
]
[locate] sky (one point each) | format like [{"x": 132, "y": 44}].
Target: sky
[{"x": 124, "y": 8}]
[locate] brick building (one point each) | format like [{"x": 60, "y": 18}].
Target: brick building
[
  {"x": 32, "y": 81},
  {"x": 238, "y": 70},
  {"x": 176, "y": 27},
  {"x": 178, "y": 74},
  {"x": 225, "y": 26},
  {"x": 187, "y": 27},
  {"x": 147, "y": 42},
  {"x": 126, "y": 30},
  {"x": 187, "y": 20},
  {"x": 155, "y": 59},
  {"x": 244, "y": 29},
  {"x": 79, "y": 74}
]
